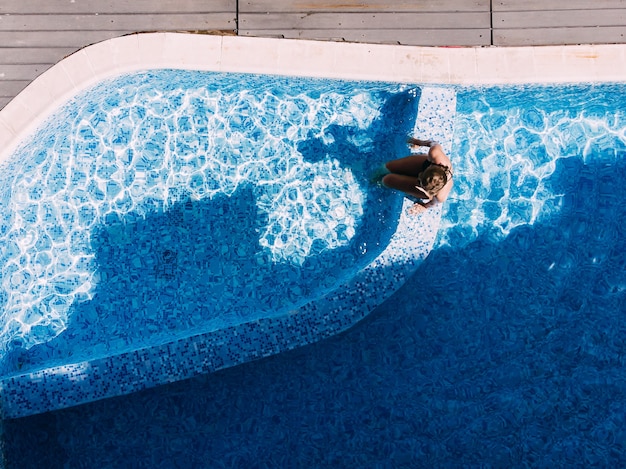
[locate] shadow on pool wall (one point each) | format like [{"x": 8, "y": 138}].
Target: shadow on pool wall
[{"x": 500, "y": 352}]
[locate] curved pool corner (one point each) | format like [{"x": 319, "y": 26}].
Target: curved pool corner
[{"x": 76, "y": 383}]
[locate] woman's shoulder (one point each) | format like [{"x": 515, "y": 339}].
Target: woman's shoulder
[{"x": 437, "y": 155}]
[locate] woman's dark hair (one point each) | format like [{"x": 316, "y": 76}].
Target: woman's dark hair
[{"x": 434, "y": 178}]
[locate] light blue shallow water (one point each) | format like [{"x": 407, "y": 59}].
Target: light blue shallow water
[
  {"x": 162, "y": 204},
  {"x": 505, "y": 349},
  {"x": 512, "y": 143}
]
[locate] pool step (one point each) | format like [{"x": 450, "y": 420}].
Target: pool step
[{"x": 435, "y": 116}]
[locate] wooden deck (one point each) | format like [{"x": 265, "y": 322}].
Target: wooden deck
[{"x": 35, "y": 34}]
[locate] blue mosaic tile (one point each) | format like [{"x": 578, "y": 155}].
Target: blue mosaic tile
[{"x": 144, "y": 225}]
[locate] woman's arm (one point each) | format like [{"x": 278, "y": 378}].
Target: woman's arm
[
  {"x": 419, "y": 143},
  {"x": 419, "y": 207},
  {"x": 435, "y": 152},
  {"x": 436, "y": 155},
  {"x": 423, "y": 143}
]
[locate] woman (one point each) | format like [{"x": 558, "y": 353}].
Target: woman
[{"x": 425, "y": 177}]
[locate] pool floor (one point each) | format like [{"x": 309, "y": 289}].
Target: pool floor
[
  {"x": 500, "y": 351},
  {"x": 456, "y": 380}
]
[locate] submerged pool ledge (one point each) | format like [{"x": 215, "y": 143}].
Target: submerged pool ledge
[{"x": 70, "y": 384}]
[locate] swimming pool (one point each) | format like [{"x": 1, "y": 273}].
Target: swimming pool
[
  {"x": 168, "y": 210},
  {"x": 505, "y": 347}
]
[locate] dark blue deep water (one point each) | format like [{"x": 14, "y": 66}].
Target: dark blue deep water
[{"x": 507, "y": 348}]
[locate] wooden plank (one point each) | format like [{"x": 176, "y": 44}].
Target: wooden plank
[
  {"x": 541, "y": 5},
  {"x": 559, "y": 36},
  {"x": 286, "y": 21},
  {"x": 22, "y": 72},
  {"x": 55, "y": 39},
  {"x": 10, "y": 88},
  {"x": 555, "y": 18},
  {"x": 148, "y": 22},
  {"x": 415, "y": 37},
  {"x": 34, "y": 55},
  {"x": 115, "y": 6},
  {"x": 423, "y": 6},
  {"x": 425, "y": 22},
  {"x": 75, "y": 39},
  {"x": 211, "y": 21}
]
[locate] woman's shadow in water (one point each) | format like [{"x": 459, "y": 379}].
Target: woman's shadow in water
[{"x": 364, "y": 151}]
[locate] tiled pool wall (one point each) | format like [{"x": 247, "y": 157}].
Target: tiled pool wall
[{"x": 72, "y": 384}]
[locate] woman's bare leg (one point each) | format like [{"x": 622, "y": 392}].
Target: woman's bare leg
[
  {"x": 409, "y": 165},
  {"x": 403, "y": 183}
]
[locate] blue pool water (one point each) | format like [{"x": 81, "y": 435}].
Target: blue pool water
[
  {"x": 505, "y": 349},
  {"x": 184, "y": 202}
]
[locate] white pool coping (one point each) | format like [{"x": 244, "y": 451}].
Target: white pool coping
[{"x": 293, "y": 57}]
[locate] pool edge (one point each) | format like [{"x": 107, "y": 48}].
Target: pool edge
[{"x": 323, "y": 59}]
